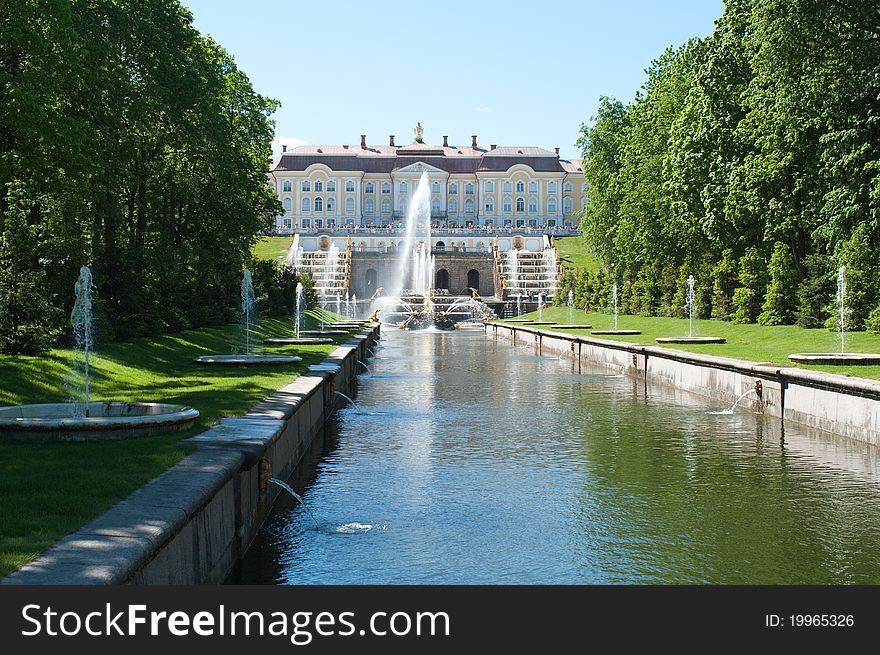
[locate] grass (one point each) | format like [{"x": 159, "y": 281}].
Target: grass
[
  {"x": 52, "y": 489},
  {"x": 272, "y": 248},
  {"x": 575, "y": 253},
  {"x": 756, "y": 343}
]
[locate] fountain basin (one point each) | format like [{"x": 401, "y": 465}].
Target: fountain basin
[
  {"x": 531, "y": 323},
  {"x": 835, "y": 358},
  {"x": 573, "y": 326},
  {"x": 346, "y": 324},
  {"x": 247, "y": 360},
  {"x": 313, "y": 333},
  {"x": 297, "y": 341},
  {"x": 693, "y": 340},
  {"x": 618, "y": 332},
  {"x": 106, "y": 421}
]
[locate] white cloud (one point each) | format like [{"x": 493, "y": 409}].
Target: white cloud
[
  {"x": 289, "y": 141},
  {"x": 482, "y": 110}
]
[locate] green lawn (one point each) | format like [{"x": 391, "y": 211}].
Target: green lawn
[
  {"x": 49, "y": 490},
  {"x": 575, "y": 254},
  {"x": 751, "y": 342},
  {"x": 272, "y": 248}
]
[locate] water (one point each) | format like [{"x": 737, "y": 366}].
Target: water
[
  {"x": 841, "y": 308},
  {"x": 299, "y": 498},
  {"x": 81, "y": 319},
  {"x": 248, "y": 309},
  {"x": 690, "y": 304},
  {"x": 415, "y": 264},
  {"x": 486, "y": 464},
  {"x": 614, "y": 306},
  {"x": 300, "y": 308}
]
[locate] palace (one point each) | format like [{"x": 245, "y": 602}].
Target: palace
[{"x": 332, "y": 187}]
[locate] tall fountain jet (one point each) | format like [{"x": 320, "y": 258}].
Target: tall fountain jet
[{"x": 415, "y": 264}]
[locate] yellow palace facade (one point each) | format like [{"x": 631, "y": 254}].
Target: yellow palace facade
[{"x": 331, "y": 187}]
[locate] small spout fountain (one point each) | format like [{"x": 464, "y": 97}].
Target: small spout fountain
[
  {"x": 299, "y": 498},
  {"x": 248, "y": 313},
  {"x": 84, "y": 419},
  {"x": 614, "y": 329},
  {"x": 569, "y": 301},
  {"x": 298, "y": 339},
  {"x": 842, "y": 357},
  {"x": 690, "y": 308}
]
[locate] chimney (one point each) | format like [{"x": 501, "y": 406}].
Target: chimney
[
  {"x": 445, "y": 141},
  {"x": 344, "y": 147},
  {"x": 474, "y": 141},
  {"x": 493, "y": 146},
  {"x": 363, "y": 141},
  {"x": 391, "y": 140},
  {"x": 283, "y": 148},
  {"x": 557, "y": 153}
]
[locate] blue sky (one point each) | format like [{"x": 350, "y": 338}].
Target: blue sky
[{"x": 511, "y": 73}]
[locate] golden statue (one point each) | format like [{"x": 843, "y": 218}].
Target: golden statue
[
  {"x": 376, "y": 293},
  {"x": 474, "y": 293},
  {"x": 418, "y": 132},
  {"x": 374, "y": 316}
]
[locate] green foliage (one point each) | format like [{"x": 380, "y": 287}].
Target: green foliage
[
  {"x": 274, "y": 288},
  {"x": 143, "y": 149},
  {"x": 748, "y": 298},
  {"x": 780, "y": 302},
  {"x": 28, "y": 319},
  {"x": 816, "y": 292},
  {"x": 766, "y": 132}
]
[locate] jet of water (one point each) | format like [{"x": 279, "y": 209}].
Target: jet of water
[
  {"x": 299, "y": 498},
  {"x": 841, "y": 307},
  {"x": 81, "y": 320},
  {"x": 614, "y": 305},
  {"x": 248, "y": 308},
  {"x": 300, "y": 307},
  {"x": 690, "y": 302}
]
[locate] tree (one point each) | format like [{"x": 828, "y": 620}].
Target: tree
[
  {"x": 780, "y": 302},
  {"x": 748, "y": 298}
]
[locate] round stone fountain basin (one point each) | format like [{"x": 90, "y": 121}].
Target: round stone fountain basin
[
  {"x": 313, "y": 333},
  {"x": 574, "y": 326},
  {"x": 835, "y": 358},
  {"x": 692, "y": 340},
  {"x": 617, "y": 332},
  {"x": 105, "y": 421},
  {"x": 247, "y": 360},
  {"x": 297, "y": 341}
]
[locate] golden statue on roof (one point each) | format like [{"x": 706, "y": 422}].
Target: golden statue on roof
[{"x": 418, "y": 132}]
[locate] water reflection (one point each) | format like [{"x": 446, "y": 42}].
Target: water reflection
[{"x": 479, "y": 463}]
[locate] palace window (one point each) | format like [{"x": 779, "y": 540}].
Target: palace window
[
  {"x": 533, "y": 205},
  {"x": 508, "y": 187},
  {"x": 469, "y": 189},
  {"x": 583, "y": 203},
  {"x": 368, "y": 206},
  {"x": 490, "y": 205},
  {"x": 551, "y": 187},
  {"x": 533, "y": 187},
  {"x": 533, "y": 222},
  {"x": 349, "y": 186},
  {"x": 584, "y": 187},
  {"x": 331, "y": 185},
  {"x": 368, "y": 187},
  {"x": 435, "y": 187},
  {"x": 453, "y": 206},
  {"x": 489, "y": 187},
  {"x": 288, "y": 225},
  {"x": 403, "y": 187},
  {"x": 331, "y": 204},
  {"x": 319, "y": 204},
  {"x": 319, "y": 185},
  {"x": 520, "y": 187},
  {"x": 288, "y": 205},
  {"x": 508, "y": 205},
  {"x": 566, "y": 205},
  {"x": 386, "y": 187},
  {"x": 566, "y": 187},
  {"x": 435, "y": 207},
  {"x": 551, "y": 205},
  {"x": 404, "y": 204},
  {"x": 520, "y": 204},
  {"x": 349, "y": 205},
  {"x": 306, "y": 185},
  {"x": 386, "y": 205},
  {"x": 306, "y": 223},
  {"x": 286, "y": 186},
  {"x": 453, "y": 189},
  {"x": 306, "y": 204},
  {"x": 469, "y": 206}
]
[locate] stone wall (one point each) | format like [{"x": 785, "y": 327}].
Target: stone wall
[
  {"x": 384, "y": 268},
  {"x": 834, "y": 403},
  {"x": 191, "y": 524}
]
